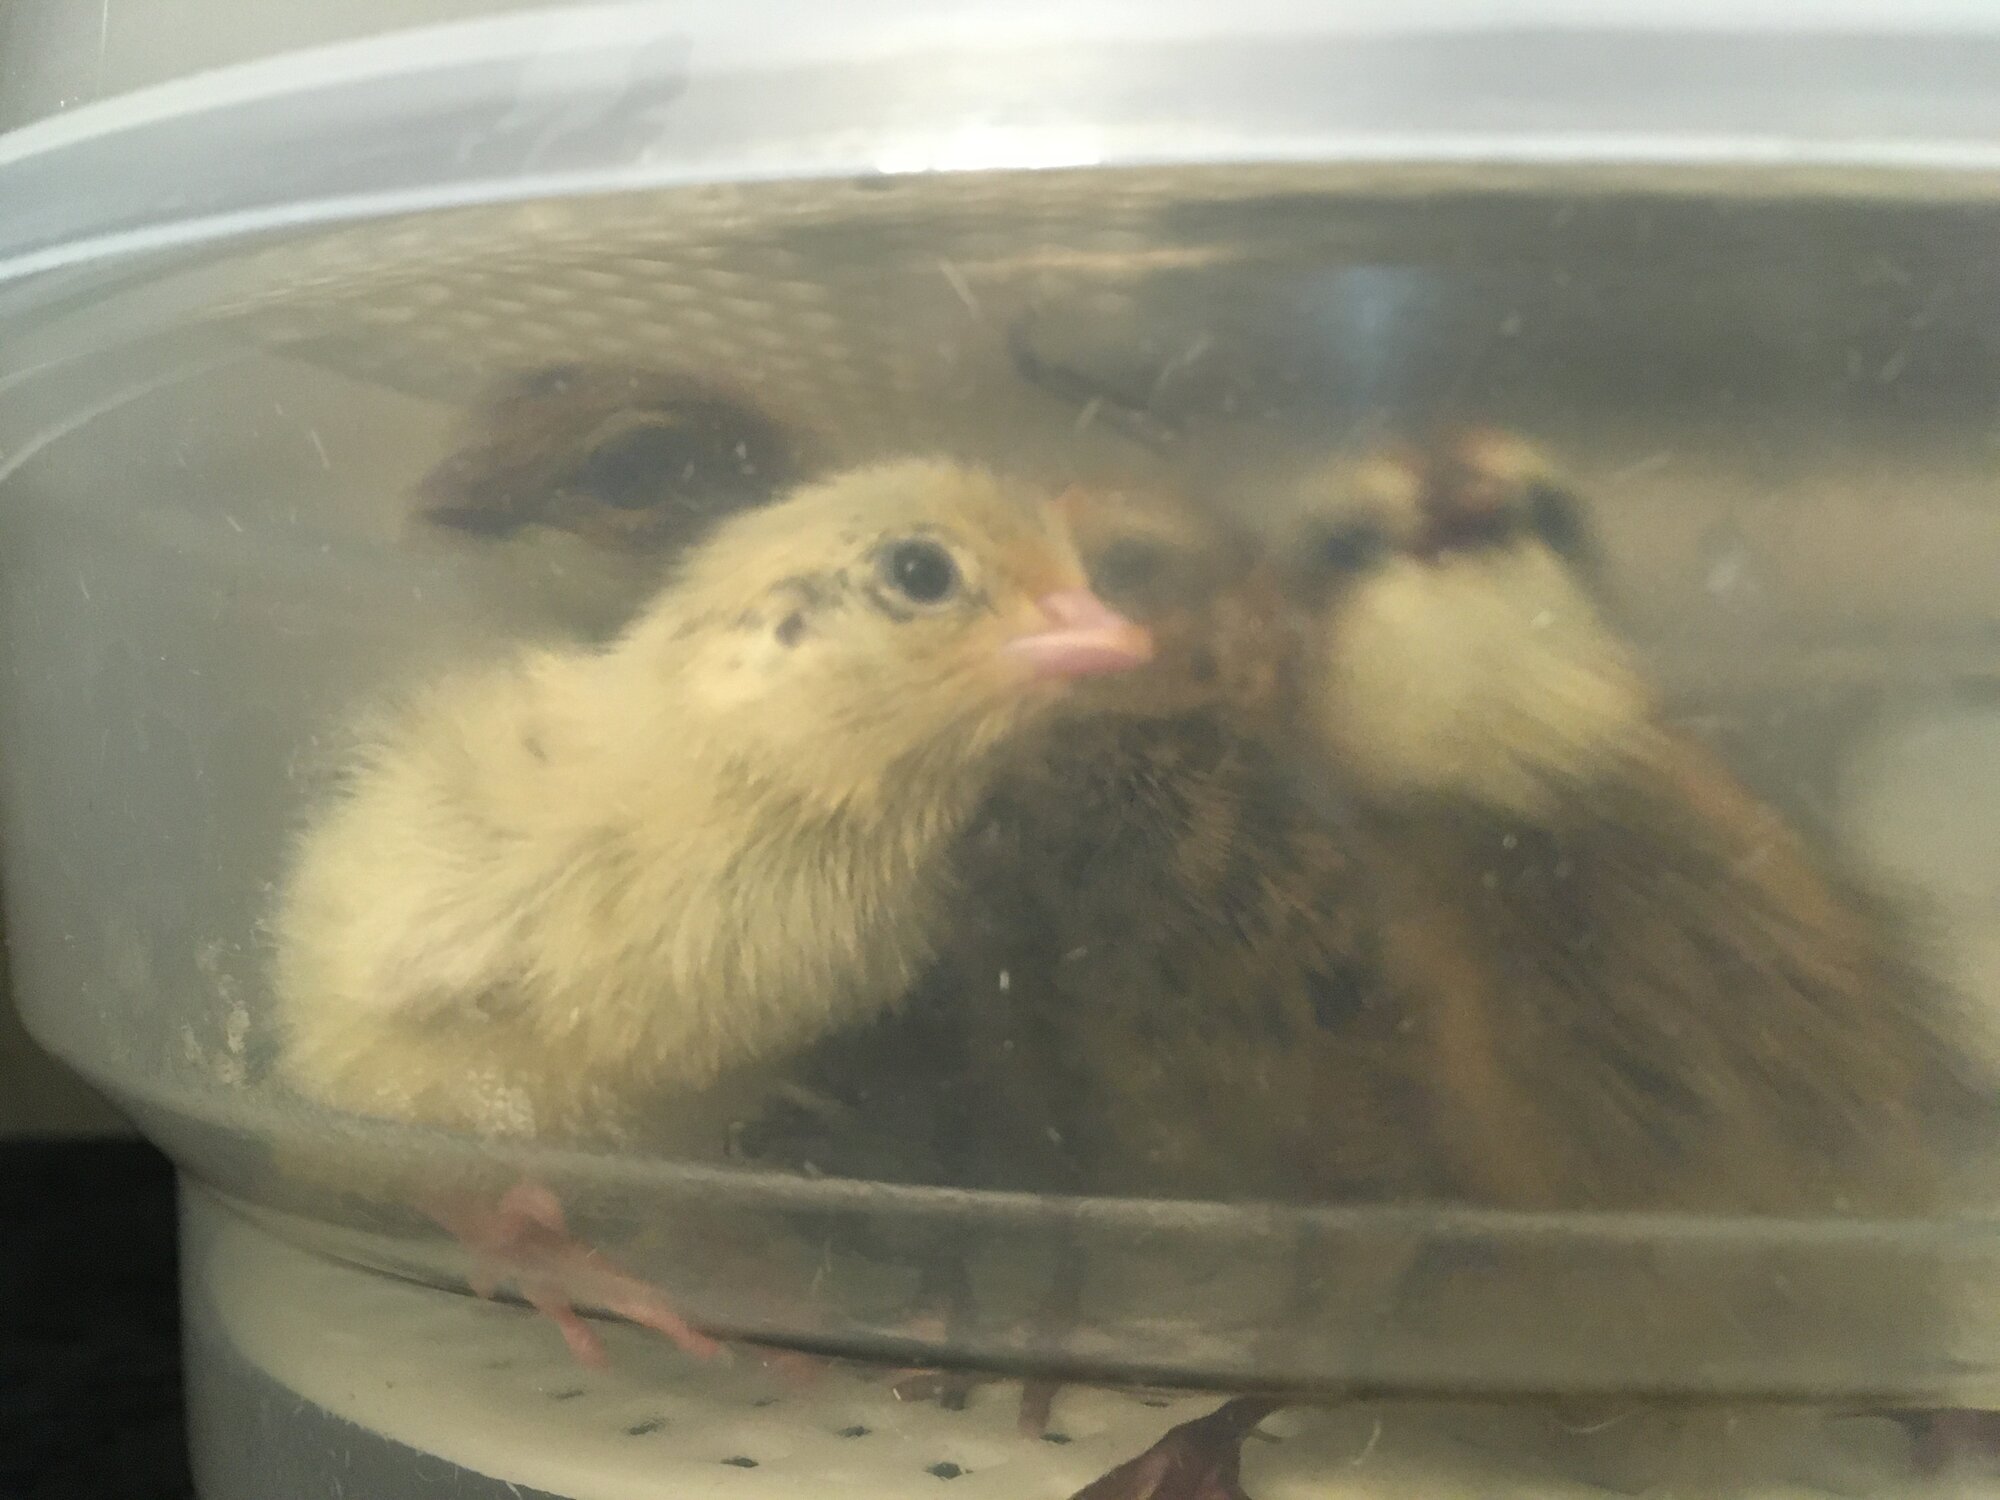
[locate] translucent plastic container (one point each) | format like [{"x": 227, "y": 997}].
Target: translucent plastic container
[{"x": 1399, "y": 813}]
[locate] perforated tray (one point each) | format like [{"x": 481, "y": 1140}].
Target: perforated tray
[{"x": 489, "y": 1389}]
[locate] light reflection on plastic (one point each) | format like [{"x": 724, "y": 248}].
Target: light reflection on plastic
[{"x": 972, "y": 148}]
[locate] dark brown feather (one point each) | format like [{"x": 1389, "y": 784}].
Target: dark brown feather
[{"x": 633, "y": 459}]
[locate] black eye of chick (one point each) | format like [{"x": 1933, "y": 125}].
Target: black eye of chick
[{"x": 922, "y": 572}]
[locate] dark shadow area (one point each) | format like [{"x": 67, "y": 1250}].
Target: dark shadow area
[{"x": 90, "y": 1374}]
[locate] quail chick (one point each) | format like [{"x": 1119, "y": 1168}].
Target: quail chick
[
  {"x": 1162, "y": 986},
  {"x": 1142, "y": 896},
  {"x": 1192, "y": 942},
  {"x": 1630, "y": 986},
  {"x": 1625, "y": 984},
  {"x": 1637, "y": 987},
  {"x": 558, "y": 892}
]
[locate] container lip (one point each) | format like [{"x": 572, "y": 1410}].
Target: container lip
[
  {"x": 185, "y": 1127},
  {"x": 641, "y": 95},
  {"x": 775, "y": 35}
]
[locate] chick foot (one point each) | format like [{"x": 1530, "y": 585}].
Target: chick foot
[
  {"x": 525, "y": 1239},
  {"x": 1198, "y": 1460},
  {"x": 952, "y": 1390}
]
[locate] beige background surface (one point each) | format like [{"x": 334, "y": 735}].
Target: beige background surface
[{"x": 39, "y": 1096}]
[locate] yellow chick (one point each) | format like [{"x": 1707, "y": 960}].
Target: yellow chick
[
  {"x": 556, "y": 890},
  {"x": 1640, "y": 986},
  {"x": 1135, "y": 884},
  {"x": 1629, "y": 984},
  {"x": 712, "y": 839}
]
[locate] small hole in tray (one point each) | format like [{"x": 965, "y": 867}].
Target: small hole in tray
[
  {"x": 568, "y": 1394},
  {"x": 946, "y": 1470},
  {"x": 1058, "y": 1438},
  {"x": 650, "y": 1425},
  {"x": 857, "y": 1430},
  {"x": 740, "y": 1462}
]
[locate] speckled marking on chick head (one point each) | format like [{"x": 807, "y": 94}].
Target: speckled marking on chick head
[{"x": 797, "y": 629}]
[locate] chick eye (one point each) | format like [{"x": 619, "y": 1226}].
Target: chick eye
[
  {"x": 1351, "y": 548},
  {"x": 922, "y": 572}
]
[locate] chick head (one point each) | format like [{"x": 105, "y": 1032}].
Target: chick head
[
  {"x": 1489, "y": 489},
  {"x": 1195, "y": 584},
  {"x": 1149, "y": 553},
  {"x": 1456, "y": 647},
  {"x": 627, "y": 458},
  {"x": 911, "y": 611}
]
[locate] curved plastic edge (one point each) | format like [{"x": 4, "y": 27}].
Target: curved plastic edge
[{"x": 599, "y": 98}]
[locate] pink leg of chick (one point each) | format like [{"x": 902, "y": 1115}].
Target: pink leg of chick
[{"x": 525, "y": 1239}]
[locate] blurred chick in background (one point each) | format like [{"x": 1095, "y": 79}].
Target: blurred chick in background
[
  {"x": 634, "y": 460},
  {"x": 1162, "y": 947},
  {"x": 1632, "y": 985},
  {"x": 1622, "y": 983},
  {"x": 1628, "y": 984},
  {"x": 581, "y": 479},
  {"x": 556, "y": 892}
]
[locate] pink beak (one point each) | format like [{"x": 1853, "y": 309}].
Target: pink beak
[{"x": 1085, "y": 638}]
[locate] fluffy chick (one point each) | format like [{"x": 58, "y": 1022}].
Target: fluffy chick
[
  {"x": 555, "y": 893},
  {"x": 1626, "y": 984},
  {"x": 1629, "y": 985},
  {"x": 1634, "y": 986},
  {"x": 553, "y": 886},
  {"x": 1194, "y": 947}
]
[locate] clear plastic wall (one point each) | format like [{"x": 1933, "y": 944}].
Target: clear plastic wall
[{"x": 1296, "y": 705}]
